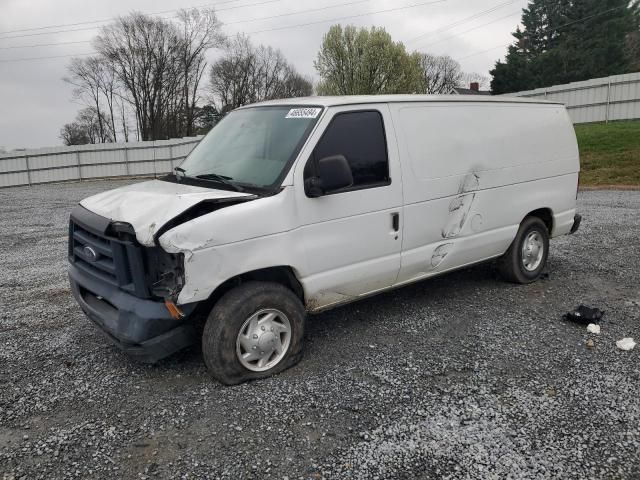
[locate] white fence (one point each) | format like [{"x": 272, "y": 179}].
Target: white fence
[
  {"x": 596, "y": 100},
  {"x": 59, "y": 164}
]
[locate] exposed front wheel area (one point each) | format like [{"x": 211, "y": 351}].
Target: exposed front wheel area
[
  {"x": 254, "y": 331},
  {"x": 527, "y": 255}
]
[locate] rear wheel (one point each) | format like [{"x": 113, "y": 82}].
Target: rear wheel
[
  {"x": 527, "y": 255},
  {"x": 253, "y": 331}
]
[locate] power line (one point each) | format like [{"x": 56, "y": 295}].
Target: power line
[
  {"x": 45, "y": 58},
  {"x": 464, "y": 32},
  {"x": 483, "y": 51},
  {"x": 44, "y": 44},
  {"x": 328, "y": 7},
  {"x": 355, "y": 16},
  {"x": 113, "y": 18},
  {"x": 53, "y": 26},
  {"x": 406, "y": 7},
  {"x": 274, "y": 29},
  {"x": 463, "y": 20},
  {"x": 45, "y": 27},
  {"x": 263, "y": 2}
]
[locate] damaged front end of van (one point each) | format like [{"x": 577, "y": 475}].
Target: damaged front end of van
[
  {"x": 143, "y": 257},
  {"x": 121, "y": 277}
]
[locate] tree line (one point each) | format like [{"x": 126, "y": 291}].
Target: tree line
[
  {"x": 148, "y": 79},
  {"x": 564, "y": 41}
]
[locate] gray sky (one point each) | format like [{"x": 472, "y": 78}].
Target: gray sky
[{"x": 35, "y": 102}]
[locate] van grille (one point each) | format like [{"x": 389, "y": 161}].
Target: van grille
[{"x": 112, "y": 260}]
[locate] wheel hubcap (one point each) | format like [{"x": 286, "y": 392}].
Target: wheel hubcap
[
  {"x": 263, "y": 340},
  {"x": 532, "y": 251}
]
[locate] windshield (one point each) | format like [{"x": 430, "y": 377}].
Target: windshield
[{"x": 252, "y": 146}]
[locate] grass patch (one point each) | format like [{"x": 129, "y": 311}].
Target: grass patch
[{"x": 609, "y": 153}]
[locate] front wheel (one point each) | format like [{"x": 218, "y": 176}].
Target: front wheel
[
  {"x": 254, "y": 331},
  {"x": 527, "y": 255}
]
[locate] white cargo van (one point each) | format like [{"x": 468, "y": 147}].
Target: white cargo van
[{"x": 299, "y": 205}]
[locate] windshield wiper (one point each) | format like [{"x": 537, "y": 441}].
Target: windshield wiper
[
  {"x": 220, "y": 179},
  {"x": 180, "y": 170}
]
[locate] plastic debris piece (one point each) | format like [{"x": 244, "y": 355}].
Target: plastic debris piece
[
  {"x": 593, "y": 328},
  {"x": 626, "y": 344},
  {"x": 585, "y": 315},
  {"x": 590, "y": 343}
]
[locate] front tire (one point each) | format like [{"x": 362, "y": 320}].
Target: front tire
[
  {"x": 254, "y": 331},
  {"x": 527, "y": 255}
]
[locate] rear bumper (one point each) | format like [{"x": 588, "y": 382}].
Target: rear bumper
[
  {"x": 576, "y": 223},
  {"x": 141, "y": 328}
]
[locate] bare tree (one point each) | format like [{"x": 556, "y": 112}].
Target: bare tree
[
  {"x": 294, "y": 84},
  {"x": 74, "y": 134},
  {"x": 86, "y": 128},
  {"x": 232, "y": 76},
  {"x": 246, "y": 74},
  {"x": 124, "y": 125},
  {"x": 109, "y": 88},
  {"x": 151, "y": 69},
  {"x": 89, "y": 77},
  {"x": 201, "y": 31},
  {"x": 143, "y": 52},
  {"x": 271, "y": 67},
  {"x": 439, "y": 74},
  {"x": 159, "y": 67}
]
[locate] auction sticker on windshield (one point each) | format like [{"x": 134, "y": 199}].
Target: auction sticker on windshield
[{"x": 304, "y": 113}]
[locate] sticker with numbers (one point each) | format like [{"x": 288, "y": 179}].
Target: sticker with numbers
[{"x": 304, "y": 113}]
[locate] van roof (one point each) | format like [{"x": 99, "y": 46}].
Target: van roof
[{"x": 364, "y": 99}]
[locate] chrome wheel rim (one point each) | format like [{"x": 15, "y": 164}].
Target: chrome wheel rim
[
  {"x": 532, "y": 251},
  {"x": 263, "y": 340}
]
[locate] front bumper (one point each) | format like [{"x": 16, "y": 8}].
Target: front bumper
[{"x": 141, "y": 328}]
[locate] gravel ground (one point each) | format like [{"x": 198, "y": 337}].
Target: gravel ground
[{"x": 462, "y": 376}]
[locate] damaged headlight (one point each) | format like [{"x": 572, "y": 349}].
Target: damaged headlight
[{"x": 165, "y": 273}]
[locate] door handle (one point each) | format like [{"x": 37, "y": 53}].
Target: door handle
[{"x": 395, "y": 221}]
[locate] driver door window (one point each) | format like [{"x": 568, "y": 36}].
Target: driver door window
[{"x": 360, "y": 137}]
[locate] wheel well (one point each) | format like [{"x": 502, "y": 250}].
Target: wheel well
[
  {"x": 545, "y": 215},
  {"x": 283, "y": 275}
]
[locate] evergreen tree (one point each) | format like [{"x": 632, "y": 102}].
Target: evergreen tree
[{"x": 567, "y": 41}]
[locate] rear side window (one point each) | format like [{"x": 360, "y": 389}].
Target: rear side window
[{"x": 360, "y": 137}]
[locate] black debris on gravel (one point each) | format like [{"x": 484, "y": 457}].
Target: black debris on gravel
[{"x": 584, "y": 315}]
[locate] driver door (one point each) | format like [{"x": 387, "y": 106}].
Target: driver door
[{"x": 352, "y": 237}]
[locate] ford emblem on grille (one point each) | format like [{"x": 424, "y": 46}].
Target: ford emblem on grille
[{"x": 90, "y": 254}]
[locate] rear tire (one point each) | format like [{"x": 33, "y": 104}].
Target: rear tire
[
  {"x": 527, "y": 256},
  {"x": 237, "y": 324}
]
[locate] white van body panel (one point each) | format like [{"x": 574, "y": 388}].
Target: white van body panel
[
  {"x": 473, "y": 172},
  {"x": 464, "y": 173},
  {"x": 245, "y": 237},
  {"x": 320, "y": 238},
  {"x": 147, "y": 206}
]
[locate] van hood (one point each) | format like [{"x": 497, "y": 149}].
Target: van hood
[{"x": 147, "y": 206}]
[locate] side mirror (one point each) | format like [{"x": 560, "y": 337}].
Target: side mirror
[{"x": 334, "y": 173}]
